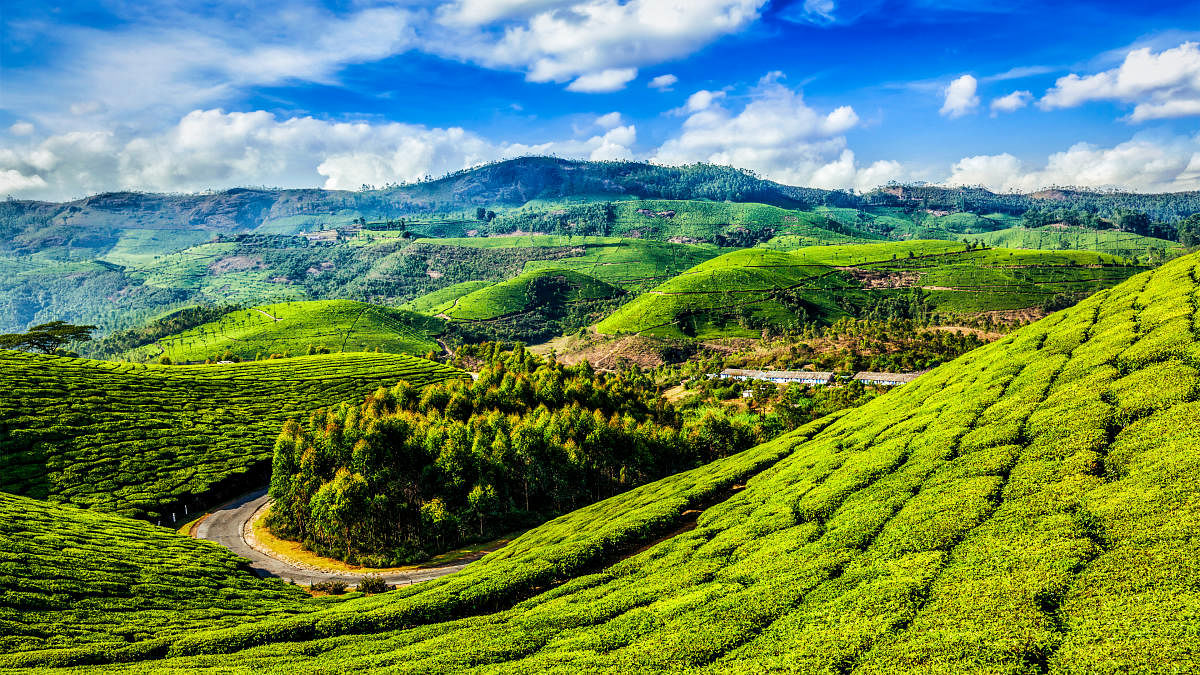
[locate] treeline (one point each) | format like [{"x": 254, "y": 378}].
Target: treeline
[
  {"x": 1133, "y": 222},
  {"x": 1162, "y": 207},
  {"x": 594, "y": 219},
  {"x": 412, "y": 472}
]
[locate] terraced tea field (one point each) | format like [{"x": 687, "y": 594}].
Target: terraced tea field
[
  {"x": 71, "y": 577},
  {"x": 1031, "y": 506},
  {"x": 781, "y": 289},
  {"x": 146, "y": 440},
  {"x": 632, "y": 264},
  {"x": 517, "y": 294},
  {"x": 1051, "y": 237},
  {"x": 293, "y": 327}
]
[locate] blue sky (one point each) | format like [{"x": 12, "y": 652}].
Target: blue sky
[{"x": 157, "y": 96}]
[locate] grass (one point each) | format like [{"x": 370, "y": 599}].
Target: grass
[
  {"x": 292, "y": 327},
  {"x": 1030, "y": 506},
  {"x": 148, "y": 440},
  {"x": 827, "y": 282},
  {"x": 514, "y": 296}
]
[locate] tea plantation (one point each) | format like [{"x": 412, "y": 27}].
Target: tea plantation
[
  {"x": 1032, "y": 506},
  {"x": 146, "y": 440},
  {"x": 523, "y": 292},
  {"x": 72, "y": 577},
  {"x": 740, "y": 293},
  {"x": 294, "y": 327}
]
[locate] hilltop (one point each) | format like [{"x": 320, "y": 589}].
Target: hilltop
[
  {"x": 294, "y": 328},
  {"x": 1027, "y": 506}
]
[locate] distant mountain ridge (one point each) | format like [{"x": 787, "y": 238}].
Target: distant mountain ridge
[{"x": 94, "y": 220}]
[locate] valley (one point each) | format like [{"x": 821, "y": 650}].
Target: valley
[{"x": 514, "y": 419}]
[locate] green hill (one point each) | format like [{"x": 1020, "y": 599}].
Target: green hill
[
  {"x": 1028, "y": 507},
  {"x": 435, "y": 302},
  {"x": 740, "y": 293},
  {"x": 147, "y": 440},
  {"x": 1051, "y": 237},
  {"x": 292, "y": 327},
  {"x": 73, "y": 577},
  {"x": 549, "y": 293},
  {"x": 632, "y": 264}
]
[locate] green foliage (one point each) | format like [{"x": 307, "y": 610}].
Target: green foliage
[
  {"x": 410, "y": 473},
  {"x": 72, "y": 577},
  {"x": 341, "y": 325},
  {"x": 148, "y": 440},
  {"x": 47, "y": 338},
  {"x": 1047, "y": 237},
  {"x": 1031, "y": 505},
  {"x": 744, "y": 292}
]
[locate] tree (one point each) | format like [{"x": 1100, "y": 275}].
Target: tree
[
  {"x": 47, "y": 337},
  {"x": 1189, "y": 231}
]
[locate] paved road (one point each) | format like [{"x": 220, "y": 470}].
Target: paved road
[{"x": 229, "y": 526}]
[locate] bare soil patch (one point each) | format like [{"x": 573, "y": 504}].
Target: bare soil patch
[{"x": 235, "y": 263}]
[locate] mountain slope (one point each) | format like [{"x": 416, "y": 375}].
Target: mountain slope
[
  {"x": 293, "y": 327},
  {"x": 151, "y": 440},
  {"x": 1030, "y": 506},
  {"x": 72, "y": 577},
  {"x": 742, "y": 292}
]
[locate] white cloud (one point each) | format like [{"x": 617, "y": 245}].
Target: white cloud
[
  {"x": 214, "y": 149},
  {"x": 613, "y": 144},
  {"x": 590, "y": 42},
  {"x": 1143, "y": 163},
  {"x": 1011, "y": 102},
  {"x": 663, "y": 82},
  {"x": 612, "y": 79},
  {"x": 609, "y": 120},
  {"x": 776, "y": 134},
  {"x": 961, "y": 98},
  {"x": 1161, "y": 85},
  {"x": 701, "y": 100},
  {"x": 21, "y": 128}
]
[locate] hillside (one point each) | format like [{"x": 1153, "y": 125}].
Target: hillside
[
  {"x": 743, "y": 292},
  {"x": 1051, "y": 237},
  {"x": 294, "y": 327},
  {"x": 532, "y": 306},
  {"x": 631, "y": 264},
  {"x": 152, "y": 440},
  {"x": 75, "y": 577},
  {"x": 1030, "y": 506}
]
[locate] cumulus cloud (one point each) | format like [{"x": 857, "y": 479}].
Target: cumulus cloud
[
  {"x": 663, "y": 82},
  {"x": 216, "y": 149},
  {"x": 1143, "y": 163},
  {"x": 776, "y": 134},
  {"x": 1161, "y": 85},
  {"x": 1011, "y": 102},
  {"x": 21, "y": 129},
  {"x": 596, "y": 45},
  {"x": 701, "y": 100},
  {"x": 960, "y": 97}
]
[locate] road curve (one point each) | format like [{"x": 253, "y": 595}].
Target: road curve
[{"x": 229, "y": 526}]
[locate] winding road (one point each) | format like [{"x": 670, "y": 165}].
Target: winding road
[{"x": 230, "y": 526}]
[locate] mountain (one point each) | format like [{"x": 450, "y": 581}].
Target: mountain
[{"x": 1028, "y": 507}]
